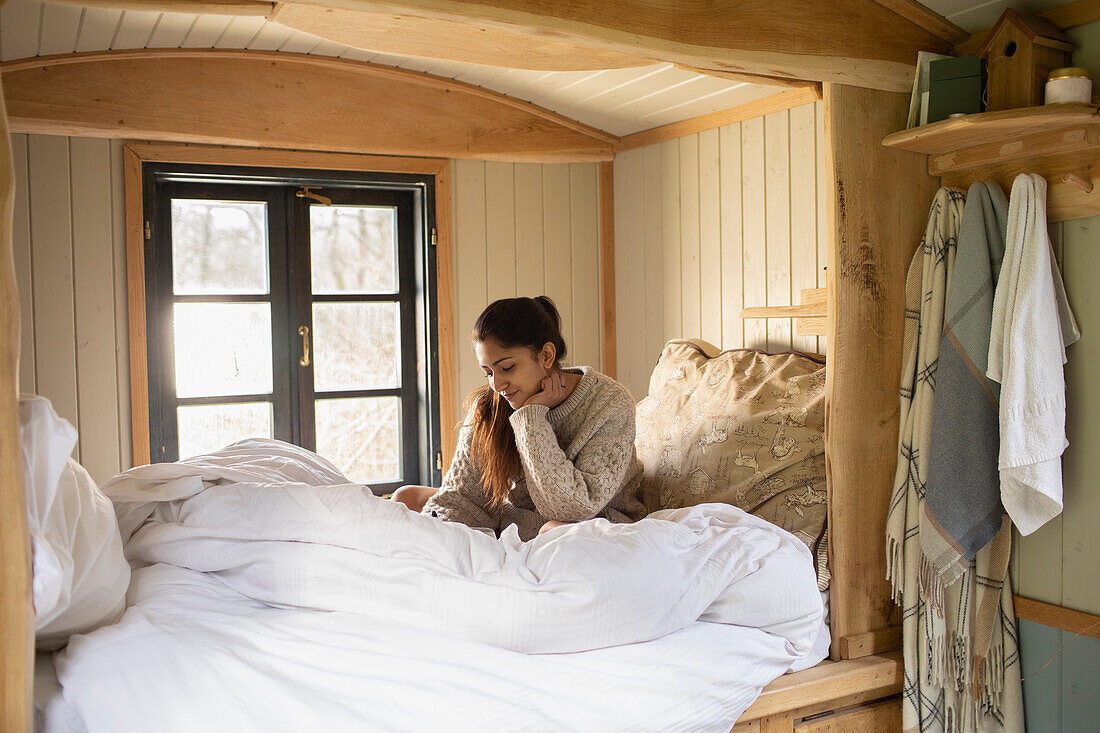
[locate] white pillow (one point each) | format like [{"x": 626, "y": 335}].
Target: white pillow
[{"x": 80, "y": 574}]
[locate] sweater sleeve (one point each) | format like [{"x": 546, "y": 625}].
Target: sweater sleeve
[
  {"x": 461, "y": 498},
  {"x": 572, "y": 491}
]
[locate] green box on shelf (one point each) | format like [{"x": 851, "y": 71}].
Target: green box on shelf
[{"x": 955, "y": 85}]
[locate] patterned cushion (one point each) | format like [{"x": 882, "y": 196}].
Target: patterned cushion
[{"x": 742, "y": 427}]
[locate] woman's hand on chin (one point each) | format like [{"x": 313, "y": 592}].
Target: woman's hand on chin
[
  {"x": 552, "y": 524},
  {"x": 553, "y": 392}
]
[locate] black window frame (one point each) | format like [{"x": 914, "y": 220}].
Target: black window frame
[{"x": 290, "y": 293}]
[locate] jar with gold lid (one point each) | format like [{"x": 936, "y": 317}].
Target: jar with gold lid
[{"x": 1069, "y": 84}]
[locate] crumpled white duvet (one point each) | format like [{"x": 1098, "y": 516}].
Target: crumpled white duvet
[{"x": 275, "y": 596}]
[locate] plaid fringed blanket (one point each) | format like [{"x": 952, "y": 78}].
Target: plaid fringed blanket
[
  {"x": 947, "y": 687},
  {"x": 962, "y": 503}
]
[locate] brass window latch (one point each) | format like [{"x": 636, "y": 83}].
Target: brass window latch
[
  {"x": 303, "y": 331},
  {"x": 305, "y": 193}
]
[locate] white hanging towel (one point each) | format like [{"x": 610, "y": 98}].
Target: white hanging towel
[{"x": 1032, "y": 326}]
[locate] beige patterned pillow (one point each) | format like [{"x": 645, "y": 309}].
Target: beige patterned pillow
[{"x": 742, "y": 427}]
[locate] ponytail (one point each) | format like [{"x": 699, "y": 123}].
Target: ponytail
[{"x": 511, "y": 322}]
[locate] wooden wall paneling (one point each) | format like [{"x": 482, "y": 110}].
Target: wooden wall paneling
[
  {"x": 16, "y": 18},
  {"x": 710, "y": 246},
  {"x": 777, "y": 203},
  {"x": 94, "y": 291},
  {"x": 530, "y": 267},
  {"x": 715, "y": 120},
  {"x": 824, "y": 202},
  {"x": 689, "y": 236},
  {"x": 876, "y": 228},
  {"x": 24, "y": 258},
  {"x": 1081, "y": 518},
  {"x": 651, "y": 212},
  {"x": 630, "y": 272},
  {"x": 1039, "y": 562},
  {"x": 754, "y": 218},
  {"x": 1041, "y": 668},
  {"x": 670, "y": 235},
  {"x": 60, "y": 25},
  {"x": 556, "y": 252},
  {"x": 52, "y": 245},
  {"x": 609, "y": 362},
  {"x": 803, "y": 218},
  {"x": 733, "y": 327},
  {"x": 584, "y": 219},
  {"x": 471, "y": 283},
  {"x": 500, "y": 231},
  {"x": 122, "y": 337}
]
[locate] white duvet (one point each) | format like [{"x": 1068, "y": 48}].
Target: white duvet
[{"x": 272, "y": 595}]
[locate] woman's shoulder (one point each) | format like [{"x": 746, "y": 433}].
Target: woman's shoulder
[{"x": 606, "y": 389}]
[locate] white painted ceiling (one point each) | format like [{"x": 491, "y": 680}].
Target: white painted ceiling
[{"x": 620, "y": 101}]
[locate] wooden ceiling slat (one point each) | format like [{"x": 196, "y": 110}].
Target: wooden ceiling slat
[
  {"x": 60, "y": 24},
  {"x": 97, "y": 31}
]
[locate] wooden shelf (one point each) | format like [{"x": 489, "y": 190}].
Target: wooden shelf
[
  {"x": 1060, "y": 142},
  {"x": 951, "y": 135},
  {"x": 813, "y": 304},
  {"x": 809, "y": 315}
]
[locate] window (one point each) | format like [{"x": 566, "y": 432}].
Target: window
[{"x": 295, "y": 305}]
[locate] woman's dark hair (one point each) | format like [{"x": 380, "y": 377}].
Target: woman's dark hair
[{"x": 510, "y": 322}]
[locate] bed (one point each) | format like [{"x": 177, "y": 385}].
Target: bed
[
  {"x": 261, "y": 568},
  {"x": 869, "y": 247}
]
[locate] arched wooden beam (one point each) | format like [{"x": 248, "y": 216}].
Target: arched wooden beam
[
  {"x": 855, "y": 42},
  {"x": 863, "y": 43},
  {"x": 440, "y": 38},
  {"x": 262, "y": 98}
]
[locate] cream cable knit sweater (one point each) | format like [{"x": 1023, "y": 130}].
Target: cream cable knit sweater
[{"x": 578, "y": 463}]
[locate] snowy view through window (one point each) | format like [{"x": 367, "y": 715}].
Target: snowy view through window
[{"x": 219, "y": 248}]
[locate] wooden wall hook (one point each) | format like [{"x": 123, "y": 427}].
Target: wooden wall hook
[{"x": 1082, "y": 182}]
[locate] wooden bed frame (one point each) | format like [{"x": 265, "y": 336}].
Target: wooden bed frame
[{"x": 877, "y": 216}]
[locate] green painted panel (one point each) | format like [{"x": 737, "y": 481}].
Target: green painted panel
[
  {"x": 1042, "y": 684},
  {"x": 1080, "y": 560},
  {"x": 1080, "y": 683}
]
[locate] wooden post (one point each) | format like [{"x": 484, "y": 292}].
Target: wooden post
[
  {"x": 878, "y": 213},
  {"x": 16, "y": 611}
]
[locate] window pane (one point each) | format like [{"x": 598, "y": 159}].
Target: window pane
[
  {"x": 222, "y": 348},
  {"x": 355, "y": 346},
  {"x": 205, "y": 428},
  {"x": 353, "y": 249},
  {"x": 362, "y": 436},
  {"x": 219, "y": 247}
]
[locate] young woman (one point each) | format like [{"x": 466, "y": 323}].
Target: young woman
[{"x": 541, "y": 445}]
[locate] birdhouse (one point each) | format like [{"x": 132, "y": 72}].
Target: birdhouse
[{"x": 1020, "y": 51}]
